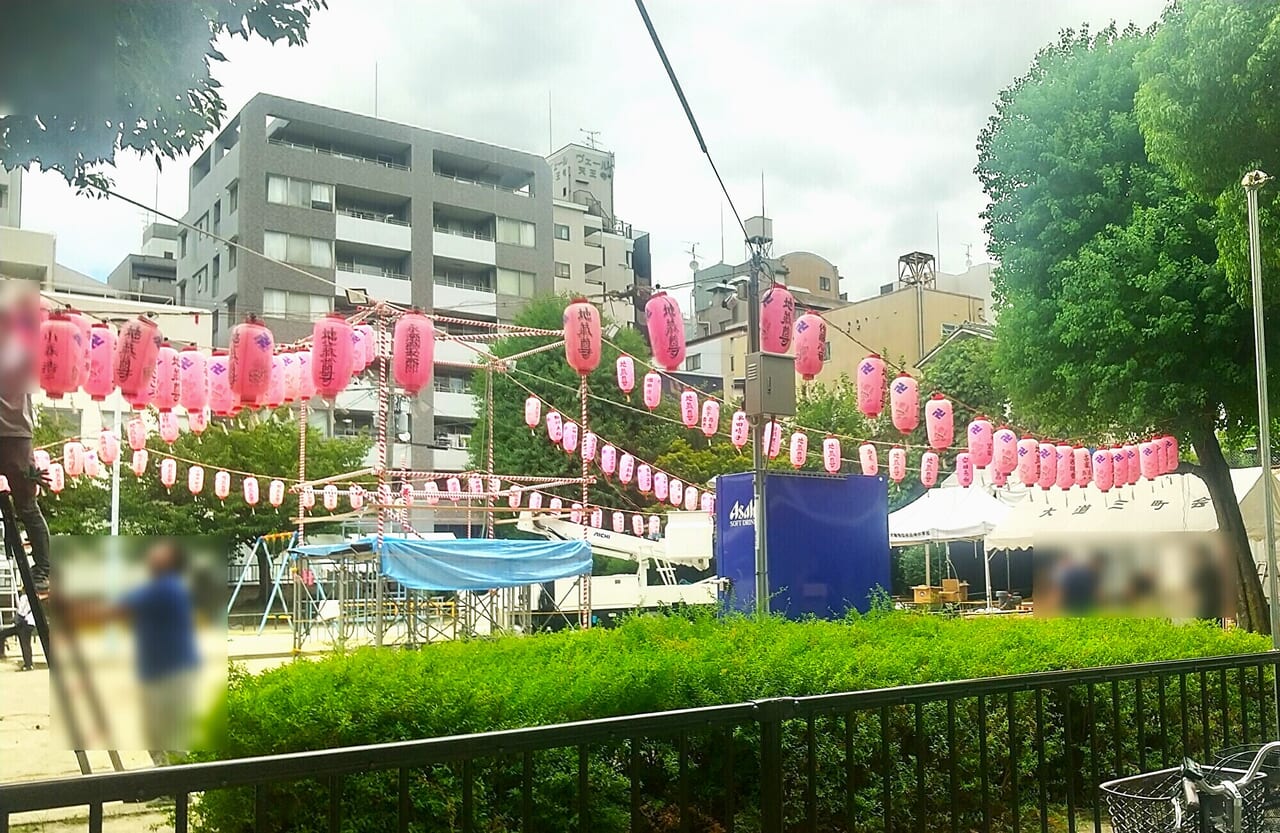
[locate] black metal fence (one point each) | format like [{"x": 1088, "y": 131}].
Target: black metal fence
[{"x": 1015, "y": 753}]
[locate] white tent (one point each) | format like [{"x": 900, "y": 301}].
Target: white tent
[{"x": 946, "y": 514}]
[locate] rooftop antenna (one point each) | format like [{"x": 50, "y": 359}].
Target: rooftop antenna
[
  {"x": 692, "y": 252},
  {"x": 968, "y": 255},
  {"x": 591, "y": 136}
]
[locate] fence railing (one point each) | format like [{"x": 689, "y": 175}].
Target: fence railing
[
  {"x": 1012, "y": 753},
  {"x": 337, "y": 154},
  {"x": 522, "y": 191},
  {"x": 375, "y": 216}
]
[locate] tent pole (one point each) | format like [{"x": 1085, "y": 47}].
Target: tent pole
[
  {"x": 986, "y": 566},
  {"x": 928, "y": 582}
]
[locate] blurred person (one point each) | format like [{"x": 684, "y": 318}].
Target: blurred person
[
  {"x": 1077, "y": 583},
  {"x": 23, "y": 624},
  {"x": 1207, "y": 583},
  {"x": 19, "y": 341}
]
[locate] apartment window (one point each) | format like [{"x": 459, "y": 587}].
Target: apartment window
[
  {"x": 693, "y": 362},
  {"x": 199, "y": 277},
  {"x": 300, "y": 306},
  {"x": 217, "y": 217},
  {"x": 731, "y": 363},
  {"x": 182, "y": 243},
  {"x": 628, "y": 257},
  {"x": 511, "y": 282},
  {"x": 232, "y": 254},
  {"x": 562, "y": 270},
  {"x": 562, "y": 232},
  {"x": 203, "y": 223},
  {"x": 824, "y": 283},
  {"x": 215, "y": 273},
  {"x": 233, "y": 197},
  {"x": 294, "y": 248},
  {"x": 515, "y": 232},
  {"x": 826, "y": 351},
  {"x": 303, "y": 193},
  {"x": 450, "y": 384},
  {"x": 182, "y": 294},
  {"x": 886, "y": 288},
  {"x": 4, "y": 196}
]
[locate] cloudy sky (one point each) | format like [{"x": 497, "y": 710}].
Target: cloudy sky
[{"x": 861, "y": 115}]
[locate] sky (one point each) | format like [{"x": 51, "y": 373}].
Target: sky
[{"x": 860, "y": 117}]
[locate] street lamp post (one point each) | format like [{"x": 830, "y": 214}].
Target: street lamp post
[{"x": 1252, "y": 182}]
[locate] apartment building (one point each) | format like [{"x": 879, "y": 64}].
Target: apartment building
[
  {"x": 150, "y": 274},
  {"x": 367, "y": 208}
]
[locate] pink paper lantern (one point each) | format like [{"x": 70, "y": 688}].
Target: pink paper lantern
[
  {"x": 655, "y": 526},
  {"x": 710, "y": 418},
  {"x": 1133, "y": 467},
  {"x": 168, "y": 472},
  {"x": 332, "y": 361},
  {"x": 619, "y": 522},
  {"x": 328, "y": 496},
  {"x": 275, "y": 492},
  {"x": 590, "y": 445},
  {"x": 666, "y": 333},
  {"x": 1119, "y": 467},
  {"x": 1171, "y": 452},
  {"x": 1028, "y": 461},
  {"x": 193, "y": 379},
  {"x": 1048, "y": 472},
  {"x": 139, "y": 462},
  {"x": 644, "y": 478},
  {"x": 575, "y": 513},
  {"x": 569, "y": 437},
  {"x": 904, "y": 403},
  {"x": 532, "y": 412},
  {"x": 1103, "y": 468},
  {"x": 608, "y": 460},
  {"x": 169, "y": 427},
  {"x": 871, "y": 386},
  {"x": 1005, "y": 451},
  {"x": 275, "y": 384},
  {"x": 690, "y": 498},
  {"x": 475, "y": 484},
  {"x": 929, "y": 469},
  {"x": 362, "y": 343},
  {"x": 108, "y": 447},
  {"x": 708, "y": 502},
  {"x": 999, "y": 478},
  {"x": 626, "y": 468},
  {"x": 597, "y": 517},
  {"x": 1065, "y": 460},
  {"x": 811, "y": 345},
  {"x": 198, "y": 420},
  {"x": 222, "y": 485},
  {"x": 251, "y": 350},
  {"x": 355, "y": 496},
  {"x": 513, "y": 497},
  {"x": 981, "y": 439},
  {"x": 92, "y": 467},
  {"x": 799, "y": 448},
  {"x": 1081, "y": 466},
  {"x": 102, "y": 349},
  {"x": 57, "y": 478},
  {"x": 369, "y": 341},
  {"x": 869, "y": 459},
  {"x": 773, "y": 440},
  {"x": 413, "y": 353},
  {"x": 556, "y": 504},
  {"x": 652, "y": 390},
  {"x": 689, "y": 408},
  {"x": 777, "y": 317},
  {"x": 739, "y": 429},
  {"x": 61, "y": 358},
  {"x": 626, "y": 372},
  {"x": 168, "y": 379},
  {"x": 134, "y": 365},
  {"x": 292, "y": 377},
  {"x": 660, "y": 485},
  {"x": 136, "y": 430},
  {"x": 1149, "y": 460},
  {"x": 582, "y": 336},
  {"x": 675, "y": 492},
  {"x": 637, "y": 526},
  {"x": 939, "y": 422},
  {"x": 431, "y": 493},
  {"x": 84, "y": 324},
  {"x": 535, "y": 501},
  {"x": 555, "y": 426},
  {"x": 221, "y": 400},
  {"x": 831, "y": 454},
  {"x": 964, "y": 469},
  {"x": 73, "y": 458},
  {"x": 195, "y": 480},
  {"x": 41, "y": 459},
  {"x": 250, "y": 491},
  {"x": 897, "y": 464},
  {"x": 306, "y": 381},
  {"x": 1161, "y": 464}
]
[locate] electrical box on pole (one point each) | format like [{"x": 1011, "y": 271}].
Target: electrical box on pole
[{"x": 770, "y": 385}]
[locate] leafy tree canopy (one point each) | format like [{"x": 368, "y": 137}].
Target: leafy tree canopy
[{"x": 84, "y": 81}]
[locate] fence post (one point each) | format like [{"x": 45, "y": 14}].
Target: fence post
[{"x": 770, "y": 714}]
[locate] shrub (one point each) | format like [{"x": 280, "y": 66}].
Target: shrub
[{"x": 657, "y": 663}]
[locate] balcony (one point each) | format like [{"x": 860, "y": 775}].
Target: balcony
[
  {"x": 383, "y": 284},
  {"x": 384, "y": 231},
  {"x": 452, "y": 352},
  {"x": 467, "y": 246},
  {"x": 482, "y": 173},
  {"x": 453, "y": 404},
  {"x": 450, "y": 459},
  {"x": 386, "y": 161},
  {"x": 472, "y": 297}
]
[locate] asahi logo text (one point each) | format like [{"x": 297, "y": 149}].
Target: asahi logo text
[{"x": 742, "y": 515}]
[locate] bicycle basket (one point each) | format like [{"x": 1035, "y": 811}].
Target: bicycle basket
[{"x": 1153, "y": 802}]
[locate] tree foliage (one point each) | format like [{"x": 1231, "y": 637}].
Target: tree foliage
[{"x": 86, "y": 80}]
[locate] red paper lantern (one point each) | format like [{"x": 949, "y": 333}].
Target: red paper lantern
[
  {"x": 84, "y": 324},
  {"x": 292, "y": 375},
  {"x": 249, "y": 374},
  {"x": 871, "y": 386},
  {"x": 414, "y": 352},
  {"x": 666, "y": 332},
  {"x": 137, "y": 432},
  {"x": 1080, "y": 466},
  {"x": 221, "y": 400},
  {"x": 168, "y": 379},
  {"x": 569, "y": 437},
  {"x": 1103, "y": 469},
  {"x": 904, "y": 403},
  {"x": 582, "y": 336},
  {"x": 675, "y": 492},
  {"x": 332, "y": 361},
  {"x": 608, "y": 460},
  {"x": 102, "y": 348},
  {"x": 1028, "y": 461},
  {"x": 139, "y": 464},
  {"x": 777, "y": 316},
  {"x": 1005, "y": 451},
  {"x": 275, "y": 384},
  {"x": 939, "y": 422},
  {"x": 306, "y": 382},
  {"x": 193, "y": 379},
  {"x": 368, "y": 345},
  {"x": 981, "y": 442},
  {"x": 57, "y": 478},
  {"x": 61, "y": 355},
  {"x": 1064, "y": 459},
  {"x": 811, "y": 345}
]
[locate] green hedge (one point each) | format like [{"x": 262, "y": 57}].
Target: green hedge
[{"x": 658, "y": 663}]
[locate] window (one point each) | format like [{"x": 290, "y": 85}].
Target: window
[
  {"x": 886, "y": 288},
  {"x": 693, "y": 362},
  {"x": 826, "y": 351},
  {"x": 4, "y": 196},
  {"x": 199, "y": 279},
  {"x": 562, "y": 232},
  {"x": 232, "y": 254},
  {"x": 233, "y": 197},
  {"x": 515, "y": 232},
  {"x": 562, "y": 270},
  {"x": 214, "y": 273},
  {"x": 824, "y": 283},
  {"x": 731, "y": 363},
  {"x": 628, "y": 257},
  {"x": 217, "y": 216},
  {"x": 294, "y": 248},
  {"x": 182, "y": 294},
  {"x": 511, "y": 282},
  {"x": 203, "y": 223},
  {"x": 303, "y": 193},
  {"x": 301, "y": 306},
  {"x": 182, "y": 243},
  {"x": 450, "y": 384}
]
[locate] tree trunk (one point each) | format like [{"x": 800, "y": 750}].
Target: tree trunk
[
  {"x": 1252, "y": 604},
  {"x": 264, "y": 574}
]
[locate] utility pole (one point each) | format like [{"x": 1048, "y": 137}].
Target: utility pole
[
  {"x": 1252, "y": 182},
  {"x": 758, "y": 451}
]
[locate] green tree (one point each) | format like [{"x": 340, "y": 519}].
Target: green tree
[
  {"x": 965, "y": 370},
  {"x": 86, "y": 80},
  {"x": 615, "y": 417},
  {"x": 1116, "y": 320},
  {"x": 1209, "y": 112}
]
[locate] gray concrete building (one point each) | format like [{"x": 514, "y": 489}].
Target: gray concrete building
[
  {"x": 400, "y": 213},
  {"x": 151, "y": 273}
]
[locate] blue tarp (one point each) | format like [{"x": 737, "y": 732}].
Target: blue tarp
[{"x": 468, "y": 564}]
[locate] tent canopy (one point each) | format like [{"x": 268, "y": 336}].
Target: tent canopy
[
  {"x": 466, "y": 564},
  {"x": 946, "y": 514}
]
